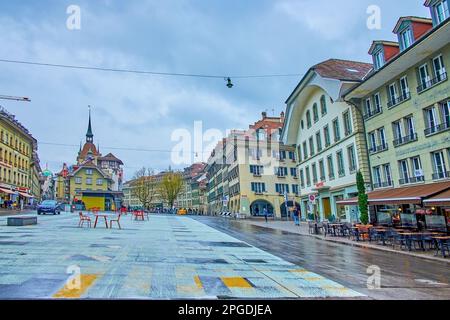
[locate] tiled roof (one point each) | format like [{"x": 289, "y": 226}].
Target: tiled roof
[
  {"x": 110, "y": 157},
  {"x": 343, "y": 70},
  {"x": 88, "y": 146}
]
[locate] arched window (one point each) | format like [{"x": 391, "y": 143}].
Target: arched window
[
  {"x": 308, "y": 119},
  {"x": 315, "y": 113},
  {"x": 323, "y": 105}
]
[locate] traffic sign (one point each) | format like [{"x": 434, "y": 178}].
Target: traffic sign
[{"x": 312, "y": 198}]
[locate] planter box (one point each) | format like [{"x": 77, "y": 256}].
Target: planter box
[{"x": 21, "y": 221}]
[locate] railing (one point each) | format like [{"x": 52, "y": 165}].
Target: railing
[
  {"x": 412, "y": 180},
  {"x": 341, "y": 173},
  {"x": 439, "y": 128},
  {"x": 331, "y": 176},
  {"x": 383, "y": 184},
  {"x": 428, "y": 84},
  {"x": 380, "y": 148},
  {"x": 441, "y": 175},
  {"x": 406, "y": 139},
  {"x": 398, "y": 100},
  {"x": 372, "y": 113}
]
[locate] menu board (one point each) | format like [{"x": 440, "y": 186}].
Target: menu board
[
  {"x": 435, "y": 222},
  {"x": 408, "y": 220},
  {"x": 384, "y": 217}
]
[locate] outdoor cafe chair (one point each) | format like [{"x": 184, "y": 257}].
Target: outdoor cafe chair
[
  {"x": 311, "y": 227},
  {"x": 84, "y": 219},
  {"x": 116, "y": 221},
  {"x": 399, "y": 239}
]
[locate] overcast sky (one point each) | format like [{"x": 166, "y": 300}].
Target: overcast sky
[{"x": 220, "y": 37}]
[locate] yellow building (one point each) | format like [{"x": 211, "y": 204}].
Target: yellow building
[
  {"x": 19, "y": 171},
  {"x": 406, "y": 106},
  {"x": 251, "y": 172}
]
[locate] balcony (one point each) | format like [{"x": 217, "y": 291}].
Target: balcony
[
  {"x": 331, "y": 176},
  {"x": 377, "y": 149},
  {"x": 436, "y": 129},
  {"x": 441, "y": 175},
  {"x": 341, "y": 173},
  {"x": 372, "y": 113},
  {"x": 395, "y": 102},
  {"x": 404, "y": 140},
  {"x": 431, "y": 83},
  {"x": 412, "y": 180},
  {"x": 386, "y": 184}
]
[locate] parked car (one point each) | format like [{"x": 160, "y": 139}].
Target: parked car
[
  {"x": 49, "y": 206},
  {"x": 77, "y": 206}
]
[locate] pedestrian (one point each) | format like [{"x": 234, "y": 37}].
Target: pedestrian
[
  {"x": 266, "y": 214},
  {"x": 296, "y": 217}
]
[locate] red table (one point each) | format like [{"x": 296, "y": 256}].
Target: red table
[{"x": 97, "y": 215}]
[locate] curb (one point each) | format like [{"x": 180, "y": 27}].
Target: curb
[{"x": 358, "y": 244}]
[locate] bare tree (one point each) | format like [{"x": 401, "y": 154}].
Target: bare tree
[
  {"x": 145, "y": 187},
  {"x": 170, "y": 187}
]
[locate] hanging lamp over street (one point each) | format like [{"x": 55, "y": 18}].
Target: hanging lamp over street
[{"x": 229, "y": 83}]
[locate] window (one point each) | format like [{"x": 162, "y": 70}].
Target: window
[
  {"x": 315, "y": 113},
  {"x": 256, "y": 170},
  {"x": 326, "y": 134},
  {"x": 311, "y": 146},
  {"x": 398, "y": 131},
  {"x": 372, "y": 142},
  {"x": 382, "y": 138},
  {"x": 377, "y": 176},
  {"x": 424, "y": 78},
  {"x": 393, "y": 94},
  {"x": 89, "y": 172},
  {"x": 305, "y": 150},
  {"x": 336, "y": 130},
  {"x": 439, "y": 167},
  {"x": 404, "y": 88},
  {"x": 416, "y": 166},
  {"x": 281, "y": 188},
  {"x": 294, "y": 172},
  {"x": 88, "y": 181},
  {"x": 330, "y": 167},
  {"x": 281, "y": 171},
  {"x": 99, "y": 182},
  {"x": 295, "y": 189},
  {"x": 314, "y": 173},
  {"x": 377, "y": 100},
  {"x": 431, "y": 121},
  {"x": 319, "y": 141},
  {"x": 258, "y": 187},
  {"x": 406, "y": 38},
  {"x": 308, "y": 177},
  {"x": 299, "y": 153},
  {"x": 308, "y": 119},
  {"x": 378, "y": 59},
  {"x": 410, "y": 130},
  {"x": 351, "y": 158},
  {"x": 322, "y": 170},
  {"x": 292, "y": 155},
  {"x": 347, "y": 123},
  {"x": 323, "y": 105},
  {"x": 302, "y": 179},
  {"x": 441, "y": 12},
  {"x": 387, "y": 174},
  {"x": 404, "y": 171},
  {"x": 340, "y": 161},
  {"x": 78, "y": 180},
  {"x": 445, "y": 114},
  {"x": 439, "y": 69},
  {"x": 368, "y": 106}
]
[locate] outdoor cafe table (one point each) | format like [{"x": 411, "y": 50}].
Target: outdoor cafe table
[
  {"x": 440, "y": 244},
  {"x": 382, "y": 232},
  {"x": 335, "y": 226},
  {"x": 104, "y": 216},
  {"x": 409, "y": 235}
]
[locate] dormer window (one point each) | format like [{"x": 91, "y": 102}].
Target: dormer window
[
  {"x": 378, "y": 59},
  {"x": 441, "y": 11},
  {"x": 406, "y": 39}
]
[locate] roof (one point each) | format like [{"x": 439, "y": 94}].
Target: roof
[
  {"x": 88, "y": 146},
  {"x": 397, "y": 196},
  {"x": 110, "y": 157},
  {"x": 384, "y": 43},
  {"x": 89, "y": 165},
  {"x": 413, "y": 19},
  {"x": 442, "y": 199},
  {"x": 344, "y": 70}
]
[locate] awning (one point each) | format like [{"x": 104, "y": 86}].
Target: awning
[
  {"x": 7, "y": 191},
  {"x": 25, "y": 195},
  {"x": 404, "y": 195},
  {"x": 442, "y": 199}
]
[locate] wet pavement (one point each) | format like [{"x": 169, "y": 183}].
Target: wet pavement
[
  {"x": 167, "y": 257},
  {"x": 402, "y": 276}
]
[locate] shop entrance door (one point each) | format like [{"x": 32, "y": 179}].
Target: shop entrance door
[{"x": 326, "y": 205}]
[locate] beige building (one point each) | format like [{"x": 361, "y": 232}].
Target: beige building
[
  {"x": 329, "y": 137},
  {"x": 406, "y": 106},
  {"x": 252, "y": 171}
]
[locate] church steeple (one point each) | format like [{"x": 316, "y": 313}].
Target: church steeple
[{"x": 89, "y": 134}]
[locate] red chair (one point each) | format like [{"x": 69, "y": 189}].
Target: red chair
[
  {"x": 115, "y": 220},
  {"x": 84, "y": 219}
]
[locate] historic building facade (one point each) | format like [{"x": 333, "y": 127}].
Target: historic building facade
[
  {"x": 328, "y": 134},
  {"x": 252, "y": 171},
  {"x": 406, "y": 107},
  {"x": 19, "y": 164}
]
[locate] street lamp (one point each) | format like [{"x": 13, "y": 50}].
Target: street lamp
[{"x": 229, "y": 83}]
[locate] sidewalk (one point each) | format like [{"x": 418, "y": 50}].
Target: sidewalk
[
  {"x": 7, "y": 212},
  {"x": 302, "y": 230}
]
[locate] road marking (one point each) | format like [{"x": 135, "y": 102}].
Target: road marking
[
  {"x": 86, "y": 282},
  {"x": 198, "y": 282},
  {"x": 236, "y": 282}
]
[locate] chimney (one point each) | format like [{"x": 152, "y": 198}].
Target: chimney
[
  {"x": 282, "y": 117},
  {"x": 264, "y": 115}
]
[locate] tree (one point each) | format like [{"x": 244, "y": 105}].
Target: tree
[
  {"x": 144, "y": 187},
  {"x": 170, "y": 187},
  {"x": 362, "y": 198}
]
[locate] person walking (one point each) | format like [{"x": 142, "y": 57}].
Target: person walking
[
  {"x": 266, "y": 214},
  {"x": 296, "y": 216}
]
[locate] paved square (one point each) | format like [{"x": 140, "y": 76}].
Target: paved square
[{"x": 168, "y": 257}]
